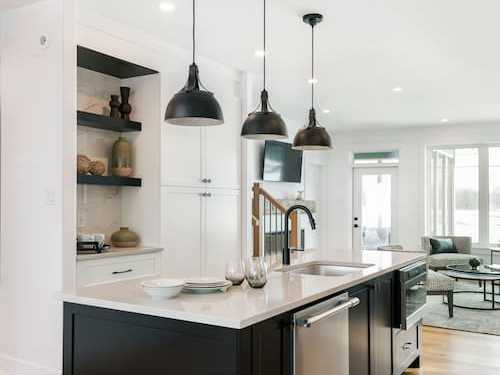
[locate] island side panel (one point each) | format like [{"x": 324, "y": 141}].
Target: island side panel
[{"x": 108, "y": 342}]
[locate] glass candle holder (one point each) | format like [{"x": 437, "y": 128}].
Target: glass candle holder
[
  {"x": 256, "y": 272},
  {"x": 235, "y": 272}
]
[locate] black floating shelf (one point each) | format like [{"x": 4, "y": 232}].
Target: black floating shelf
[
  {"x": 102, "y": 63},
  {"x": 108, "y": 180},
  {"x": 95, "y": 121}
]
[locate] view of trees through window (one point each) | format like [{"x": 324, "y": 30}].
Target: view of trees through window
[{"x": 464, "y": 192}]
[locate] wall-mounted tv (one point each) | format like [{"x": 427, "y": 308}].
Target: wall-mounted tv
[{"x": 281, "y": 162}]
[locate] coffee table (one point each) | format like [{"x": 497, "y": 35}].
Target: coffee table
[{"x": 482, "y": 274}]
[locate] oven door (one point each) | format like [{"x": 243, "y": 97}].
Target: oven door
[{"x": 413, "y": 300}]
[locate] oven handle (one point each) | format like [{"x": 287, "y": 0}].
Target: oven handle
[{"x": 308, "y": 322}]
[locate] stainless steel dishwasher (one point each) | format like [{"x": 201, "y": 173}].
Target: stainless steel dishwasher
[{"x": 321, "y": 337}]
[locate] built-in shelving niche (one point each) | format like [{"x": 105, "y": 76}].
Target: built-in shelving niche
[{"x": 102, "y": 204}]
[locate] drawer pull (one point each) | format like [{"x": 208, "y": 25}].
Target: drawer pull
[
  {"x": 120, "y": 272},
  {"x": 407, "y": 346}
]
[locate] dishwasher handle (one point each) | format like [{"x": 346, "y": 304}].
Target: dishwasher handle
[{"x": 308, "y": 322}]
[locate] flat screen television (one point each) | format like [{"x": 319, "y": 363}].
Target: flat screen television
[{"x": 281, "y": 162}]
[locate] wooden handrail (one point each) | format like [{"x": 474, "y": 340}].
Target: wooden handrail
[{"x": 259, "y": 192}]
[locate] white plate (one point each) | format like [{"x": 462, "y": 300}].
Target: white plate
[
  {"x": 214, "y": 289},
  {"x": 206, "y": 281}
]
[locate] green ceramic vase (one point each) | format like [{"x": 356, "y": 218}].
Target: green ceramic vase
[
  {"x": 121, "y": 157},
  {"x": 124, "y": 238}
]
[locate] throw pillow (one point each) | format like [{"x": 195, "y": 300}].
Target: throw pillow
[{"x": 442, "y": 245}]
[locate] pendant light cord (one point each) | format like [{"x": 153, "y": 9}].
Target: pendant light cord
[
  {"x": 264, "y": 45},
  {"x": 312, "y": 66},
  {"x": 194, "y": 30}
]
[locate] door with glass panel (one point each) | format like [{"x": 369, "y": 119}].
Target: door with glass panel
[{"x": 374, "y": 207}]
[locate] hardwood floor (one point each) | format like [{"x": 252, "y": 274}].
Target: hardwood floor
[{"x": 454, "y": 352}]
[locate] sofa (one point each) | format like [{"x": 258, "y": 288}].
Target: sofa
[{"x": 440, "y": 261}]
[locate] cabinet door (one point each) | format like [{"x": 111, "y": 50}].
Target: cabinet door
[
  {"x": 181, "y": 228},
  {"x": 181, "y": 156},
  {"x": 381, "y": 326},
  {"x": 222, "y": 230},
  {"x": 359, "y": 333},
  {"x": 223, "y": 148}
]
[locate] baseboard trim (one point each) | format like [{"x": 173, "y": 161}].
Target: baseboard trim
[{"x": 16, "y": 366}]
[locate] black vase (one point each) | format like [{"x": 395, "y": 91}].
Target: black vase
[
  {"x": 125, "y": 107},
  {"x": 114, "y": 104}
]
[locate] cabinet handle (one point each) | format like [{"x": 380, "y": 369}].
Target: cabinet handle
[
  {"x": 206, "y": 180},
  {"x": 407, "y": 346},
  {"x": 120, "y": 272},
  {"x": 208, "y": 195}
]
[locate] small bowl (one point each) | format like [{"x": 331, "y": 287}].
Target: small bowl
[{"x": 160, "y": 289}]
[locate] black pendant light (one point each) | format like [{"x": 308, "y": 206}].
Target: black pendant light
[
  {"x": 264, "y": 123},
  {"x": 312, "y": 137},
  {"x": 193, "y": 106}
]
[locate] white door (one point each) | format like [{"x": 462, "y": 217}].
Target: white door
[
  {"x": 222, "y": 233},
  {"x": 181, "y": 155},
  {"x": 182, "y": 223},
  {"x": 375, "y": 193}
]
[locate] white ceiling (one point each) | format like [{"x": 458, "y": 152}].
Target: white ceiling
[{"x": 443, "y": 53}]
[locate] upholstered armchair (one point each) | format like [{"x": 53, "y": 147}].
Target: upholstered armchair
[{"x": 440, "y": 261}]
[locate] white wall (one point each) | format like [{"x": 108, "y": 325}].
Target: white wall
[
  {"x": 37, "y": 195},
  {"x": 411, "y": 143}
]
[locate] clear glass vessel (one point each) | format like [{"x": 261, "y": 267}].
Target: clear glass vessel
[
  {"x": 235, "y": 272},
  {"x": 256, "y": 272}
]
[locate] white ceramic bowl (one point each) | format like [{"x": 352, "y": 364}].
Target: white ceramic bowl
[{"x": 163, "y": 288}]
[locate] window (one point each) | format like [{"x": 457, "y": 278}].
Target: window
[
  {"x": 464, "y": 192},
  {"x": 376, "y": 158}
]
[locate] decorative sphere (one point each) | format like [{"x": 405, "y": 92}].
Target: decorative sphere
[
  {"x": 82, "y": 164},
  {"x": 97, "y": 168},
  {"x": 474, "y": 263}
]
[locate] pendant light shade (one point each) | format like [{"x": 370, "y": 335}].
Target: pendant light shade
[
  {"x": 314, "y": 136},
  {"x": 192, "y": 106},
  {"x": 264, "y": 123}
]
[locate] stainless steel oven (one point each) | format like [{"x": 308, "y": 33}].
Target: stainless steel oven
[{"x": 412, "y": 294}]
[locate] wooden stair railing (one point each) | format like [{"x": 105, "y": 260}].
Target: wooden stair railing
[{"x": 265, "y": 206}]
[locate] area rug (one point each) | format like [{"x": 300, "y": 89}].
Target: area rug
[{"x": 436, "y": 313}]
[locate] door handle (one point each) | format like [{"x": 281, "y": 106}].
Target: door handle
[{"x": 308, "y": 322}]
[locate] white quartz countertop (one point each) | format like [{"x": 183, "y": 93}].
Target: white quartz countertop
[
  {"x": 119, "y": 252},
  {"x": 243, "y": 306}
]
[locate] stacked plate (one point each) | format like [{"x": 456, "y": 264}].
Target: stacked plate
[{"x": 206, "y": 285}]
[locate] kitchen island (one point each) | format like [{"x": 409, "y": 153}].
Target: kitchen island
[{"x": 117, "y": 329}]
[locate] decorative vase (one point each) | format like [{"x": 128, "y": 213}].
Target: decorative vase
[
  {"x": 124, "y": 238},
  {"x": 121, "y": 158},
  {"x": 114, "y": 104},
  {"x": 125, "y": 107},
  {"x": 82, "y": 164}
]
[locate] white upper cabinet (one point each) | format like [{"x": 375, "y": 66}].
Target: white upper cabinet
[
  {"x": 205, "y": 156},
  {"x": 223, "y": 145},
  {"x": 182, "y": 155}
]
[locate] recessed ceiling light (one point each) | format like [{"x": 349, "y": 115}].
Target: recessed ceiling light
[
  {"x": 444, "y": 119},
  {"x": 312, "y": 81},
  {"x": 167, "y": 7},
  {"x": 326, "y": 111},
  {"x": 260, "y": 53},
  {"x": 397, "y": 89}
]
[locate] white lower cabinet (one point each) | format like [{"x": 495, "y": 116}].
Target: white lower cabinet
[
  {"x": 201, "y": 230},
  {"x": 104, "y": 270}
]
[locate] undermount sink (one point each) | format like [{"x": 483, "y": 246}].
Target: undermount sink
[{"x": 326, "y": 268}]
